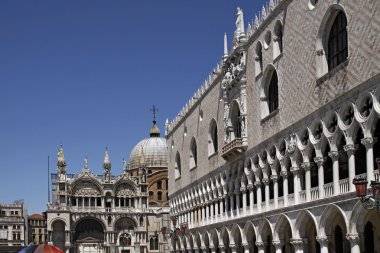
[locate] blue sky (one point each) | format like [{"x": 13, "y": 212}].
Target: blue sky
[{"x": 85, "y": 74}]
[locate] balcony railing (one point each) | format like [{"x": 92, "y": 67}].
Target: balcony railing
[
  {"x": 232, "y": 148},
  {"x": 329, "y": 189},
  {"x": 343, "y": 185}
]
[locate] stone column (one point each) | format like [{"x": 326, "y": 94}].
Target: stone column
[
  {"x": 260, "y": 247},
  {"x": 244, "y": 194},
  {"x": 204, "y": 249},
  {"x": 368, "y": 143},
  {"x": 295, "y": 171},
  {"x": 266, "y": 183},
  {"x": 354, "y": 242},
  {"x": 207, "y": 217},
  {"x": 246, "y": 247},
  {"x": 275, "y": 190},
  {"x": 334, "y": 157},
  {"x": 297, "y": 244},
  {"x": 306, "y": 168},
  {"x": 277, "y": 246},
  {"x": 284, "y": 175},
  {"x": 233, "y": 248},
  {"x": 196, "y": 250},
  {"x": 212, "y": 248},
  {"x": 351, "y": 149},
  {"x": 251, "y": 198},
  {"x": 259, "y": 197},
  {"x": 323, "y": 242},
  {"x": 321, "y": 181},
  {"x": 222, "y": 249},
  {"x": 232, "y": 204}
]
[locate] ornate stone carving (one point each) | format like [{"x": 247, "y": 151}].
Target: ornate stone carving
[
  {"x": 284, "y": 174},
  {"x": 323, "y": 240},
  {"x": 319, "y": 161},
  {"x": 334, "y": 155},
  {"x": 353, "y": 238},
  {"x": 306, "y": 166},
  {"x": 350, "y": 149},
  {"x": 367, "y": 142},
  {"x": 257, "y": 184}
]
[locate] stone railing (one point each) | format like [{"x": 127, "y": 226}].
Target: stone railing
[
  {"x": 329, "y": 189},
  {"x": 314, "y": 192},
  {"x": 343, "y": 185}
]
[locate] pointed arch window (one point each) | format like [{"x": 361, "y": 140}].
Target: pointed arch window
[
  {"x": 177, "y": 166},
  {"x": 236, "y": 121},
  {"x": 258, "y": 59},
  {"x": 277, "y": 40},
  {"x": 193, "y": 153},
  {"x": 273, "y": 93},
  {"x": 213, "y": 138},
  {"x": 337, "y": 41}
]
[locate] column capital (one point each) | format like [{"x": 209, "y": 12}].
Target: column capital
[
  {"x": 353, "y": 238},
  {"x": 265, "y": 181},
  {"x": 323, "y": 240},
  {"x": 243, "y": 189},
  {"x": 232, "y": 246},
  {"x": 297, "y": 242},
  {"x": 245, "y": 245},
  {"x": 284, "y": 174},
  {"x": 306, "y": 166},
  {"x": 333, "y": 155},
  {"x": 277, "y": 244},
  {"x": 350, "y": 149},
  {"x": 250, "y": 187},
  {"x": 295, "y": 170},
  {"x": 319, "y": 160},
  {"x": 222, "y": 248},
  {"x": 367, "y": 142},
  {"x": 260, "y": 245},
  {"x": 274, "y": 178},
  {"x": 257, "y": 184}
]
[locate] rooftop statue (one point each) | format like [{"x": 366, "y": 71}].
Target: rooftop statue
[{"x": 239, "y": 22}]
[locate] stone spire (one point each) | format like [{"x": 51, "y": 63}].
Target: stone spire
[
  {"x": 142, "y": 159},
  {"x": 154, "y": 131},
  {"x": 61, "y": 163},
  {"x": 106, "y": 162},
  {"x": 225, "y": 54}
]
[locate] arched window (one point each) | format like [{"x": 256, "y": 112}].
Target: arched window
[
  {"x": 337, "y": 51},
  {"x": 159, "y": 184},
  {"x": 273, "y": 93},
  {"x": 193, "y": 153},
  {"x": 338, "y": 234},
  {"x": 213, "y": 138},
  {"x": 177, "y": 166},
  {"x": 236, "y": 121},
  {"x": 141, "y": 221},
  {"x": 277, "y": 40},
  {"x": 153, "y": 243},
  {"x": 159, "y": 196},
  {"x": 151, "y": 194},
  {"x": 258, "y": 59}
]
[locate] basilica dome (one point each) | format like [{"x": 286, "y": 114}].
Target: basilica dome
[{"x": 154, "y": 148}]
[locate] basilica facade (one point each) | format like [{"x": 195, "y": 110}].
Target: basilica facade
[
  {"x": 263, "y": 156},
  {"x": 110, "y": 213}
]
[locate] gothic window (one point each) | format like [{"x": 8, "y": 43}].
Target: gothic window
[
  {"x": 141, "y": 221},
  {"x": 369, "y": 238},
  {"x": 337, "y": 43},
  {"x": 273, "y": 93},
  {"x": 177, "y": 166},
  {"x": 125, "y": 240},
  {"x": 277, "y": 40},
  {"x": 153, "y": 243},
  {"x": 338, "y": 234},
  {"x": 213, "y": 138},
  {"x": 193, "y": 153},
  {"x": 258, "y": 59},
  {"x": 236, "y": 121},
  {"x": 159, "y": 184}
]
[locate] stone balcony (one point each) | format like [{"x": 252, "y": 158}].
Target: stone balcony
[{"x": 233, "y": 148}]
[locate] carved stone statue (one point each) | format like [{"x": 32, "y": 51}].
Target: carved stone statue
[
  {"x": 239, "y": 22},
  {"x": 85, "y": 163}
]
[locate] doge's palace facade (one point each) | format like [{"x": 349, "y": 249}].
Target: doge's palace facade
[{"x": 262, "y": 157}]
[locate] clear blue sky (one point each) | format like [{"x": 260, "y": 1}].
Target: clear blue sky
[{"x": 86, "y": 73}]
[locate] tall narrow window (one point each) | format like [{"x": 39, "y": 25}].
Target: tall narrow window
[
  {"x": 277, "y": 40},
  {"x": 258, "y": 59},
  {"x": 236, "y": 121},
  {"x": 213, "y": 138},
  {"x": 193, "y": 153},
  {"x": 159, "y": 196},
  {"x": 369, "y": 238},
  {"x": 273, "y": 93},
  {"x": 337, "y": 43},
  {"x": 177, "y": 166},
  {"x": 159, "y": 184}
]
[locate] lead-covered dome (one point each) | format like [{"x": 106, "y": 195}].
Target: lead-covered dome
[{"x": 155, "y": 150}]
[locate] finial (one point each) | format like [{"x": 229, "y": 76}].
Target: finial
[
  {"x": 142, "y": 160},
  {"x": 106, "y": 162},
  {"x": 85, "y": 162},
  {"x": 125, "y": 169},
  {"x": 154, "y": 110},
  {"x": 225, "y": 54}
]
